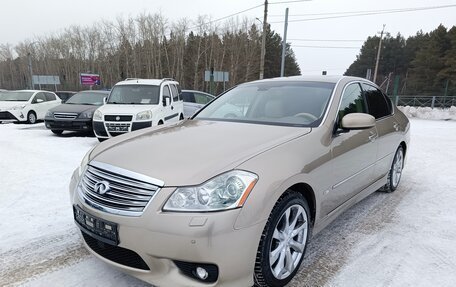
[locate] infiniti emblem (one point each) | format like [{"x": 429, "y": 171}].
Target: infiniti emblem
[
  {"x": 102, "y": 187},
  {"x": 117, "y": 118}
]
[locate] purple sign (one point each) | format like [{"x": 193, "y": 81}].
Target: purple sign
[{"x": 90, "y": 79}]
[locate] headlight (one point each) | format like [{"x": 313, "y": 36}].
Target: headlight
[
  {"x": 97, "y": 116},
  {"x": 18, "y": 107},
  {"x": 84, "y": 162},
  {"x": 86, "y": 115},
  {"x": 146, "y": 115},
  {"x": 226, "y": 191},
  {"x": 49, "y": 114}
]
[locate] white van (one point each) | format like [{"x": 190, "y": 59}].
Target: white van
[{"x": 134, "y": 104}]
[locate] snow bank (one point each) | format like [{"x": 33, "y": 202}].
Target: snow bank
[{"x": 429, "y": 113}]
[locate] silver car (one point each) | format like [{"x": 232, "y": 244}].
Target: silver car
[
  {"x": 233, "y": 198},
  {"x": 194, "y": 101}
]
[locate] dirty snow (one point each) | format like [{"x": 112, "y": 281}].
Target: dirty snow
[
  {"x": 430, "y": 113},
  {"x": 406, "y": 238}
]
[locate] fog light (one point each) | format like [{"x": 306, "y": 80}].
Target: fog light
[{"x": 202, "y": 273}]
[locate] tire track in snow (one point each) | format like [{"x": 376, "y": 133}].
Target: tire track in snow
[{"x": 23, "y": 263}]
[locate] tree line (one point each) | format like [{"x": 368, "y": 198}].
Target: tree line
[
  {"x": 146, "y": 46},
  {"x": 425, "y": 62}
]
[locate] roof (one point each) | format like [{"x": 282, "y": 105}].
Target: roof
[
  {"x": 315, "y": 78},
  {"x": 153, "y": 82}
]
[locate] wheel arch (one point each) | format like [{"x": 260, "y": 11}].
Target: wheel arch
[{"x": 308, "y": 193}]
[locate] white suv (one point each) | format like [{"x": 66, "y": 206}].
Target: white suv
[{"x": 134, "y": 104}]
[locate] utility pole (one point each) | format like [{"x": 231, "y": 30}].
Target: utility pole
[
  {"x": 263, "y": 41},
  {"x": 378, "y": 53},
  {"x": 284, "y": 44},
  {"x": 30, "y": 70}
]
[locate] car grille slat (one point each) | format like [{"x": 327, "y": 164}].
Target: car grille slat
[
  {"x": 123, "y": 194},
  {"x": 67, "y": 116},
  {"x": 118, "y": 186},
  {"x": 122, "y": 180}
]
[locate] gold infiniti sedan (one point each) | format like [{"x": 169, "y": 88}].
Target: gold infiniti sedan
[{"x": 232, "y": 196}]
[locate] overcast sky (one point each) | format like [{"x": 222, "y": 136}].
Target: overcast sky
[{"x": 25, "y": 19}]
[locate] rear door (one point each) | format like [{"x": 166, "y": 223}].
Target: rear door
[
  {"x": 353, "y": 152},
  {"x": 380, "y": 107},
  {"x": 178, "y": 105}
]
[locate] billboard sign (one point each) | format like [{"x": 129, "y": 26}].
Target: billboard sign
[
  {"x": 90, "y": 79},
  {"x": 45, "y": 80}
]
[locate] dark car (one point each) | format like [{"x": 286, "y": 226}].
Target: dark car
[
  {"x": 76, "y": 114},
  {"x": 65, "y": 95}
]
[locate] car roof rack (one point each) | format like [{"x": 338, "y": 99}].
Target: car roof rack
[
  {"x": 132, "y": 79},
  {"x": 167, "y": 79}
]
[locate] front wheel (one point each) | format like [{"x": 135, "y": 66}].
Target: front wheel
[
  {"x": 283, "y": 242},
  {"x": 57, "y": 132},
  {"x": 395, "y": 173},
  {"x": 31, "y": 118}
]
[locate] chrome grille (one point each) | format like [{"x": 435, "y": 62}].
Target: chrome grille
[
  {"x": 123, "y": 192},
  {"x": 68, "y": 116}
]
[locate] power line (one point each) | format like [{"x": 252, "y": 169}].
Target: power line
[
  {"x": 225, "y": 17},
  {"x": 324, "y": 47},
  {"x": 291, "y": 1},
  {"x": 370, "y": 13},
  {"x": 325, "y": 40}
]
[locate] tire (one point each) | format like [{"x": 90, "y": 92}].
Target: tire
[
  {"x": 100, "y": 139},
  {"x": 276, "y": 234},
  {"x": 395, "y": 173},
  {"x": 57, "y": 132},
  {"x": 31, "y": 118},
  {"x": 181, "y": 117},
  {"x": 160, "y": 123}
]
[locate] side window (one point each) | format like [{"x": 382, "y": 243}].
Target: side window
[
  {"x": 175, "y": 93},
  {"x": 166, "y": 94},
  {"x": 376, "y": 103},
  {"x": 201, "y": 99},
  {"x": 352, "y": 101},
  {"x": 39, "y": 98},
  {"x": 50, "y": 97},
  {"x": 188, "y": 97}
]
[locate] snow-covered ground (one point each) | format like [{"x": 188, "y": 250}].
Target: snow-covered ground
[
  {"x": 429, "y": 113},
  {"x": 407, "y": 238}
]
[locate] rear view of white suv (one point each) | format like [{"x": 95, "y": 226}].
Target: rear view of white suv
[{"x": 134, "y": 104}]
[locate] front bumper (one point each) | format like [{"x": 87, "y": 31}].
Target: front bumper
[
  {"x": 12, "y": 116},
  {"x": 68, "y": 125},
  {"x": 163, "y": 240},
  {"x": 116, "y": 128}
]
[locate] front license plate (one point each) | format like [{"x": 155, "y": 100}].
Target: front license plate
[{"x": 98, "y": 228}]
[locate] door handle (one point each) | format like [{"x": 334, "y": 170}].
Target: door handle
[
  {"x": 372, "y": 136},
  {"x": 396, "y": 126}
]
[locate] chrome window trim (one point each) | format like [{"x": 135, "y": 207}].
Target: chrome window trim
[{"x": 330, "y": 102}]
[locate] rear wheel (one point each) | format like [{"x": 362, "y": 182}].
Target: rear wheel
[
  {"x": 395, "y": 173},
  {"x": 283, "y": 242},
  {"x": 31, "y": 118},
  {"x": 57, "y": 132}
]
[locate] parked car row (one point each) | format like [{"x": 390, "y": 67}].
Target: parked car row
[{"x": 131, "y": 105}]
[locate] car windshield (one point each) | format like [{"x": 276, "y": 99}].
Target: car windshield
[
  {"x": 135, "y": 95},
  {"x": 16, "y": 96},
  {"x": 87, "y": 98},
  {"x": 276, "y": 103}
]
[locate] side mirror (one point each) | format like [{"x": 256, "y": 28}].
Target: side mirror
[
  {"x": 357, "y": 121},
  {"x": 105, "y": 99}
]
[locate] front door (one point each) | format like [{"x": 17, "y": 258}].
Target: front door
[{"x": 353, "y": 153}]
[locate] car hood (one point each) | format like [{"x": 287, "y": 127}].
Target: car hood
[
  {"x": 5, "y": 105},
  {"x": 119, "y": 109},
  {"x": 193, "y": 151},
  {"x": 70, "y": 108}
]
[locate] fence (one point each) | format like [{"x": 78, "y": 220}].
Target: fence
[{"x": 433, "y": 102}]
